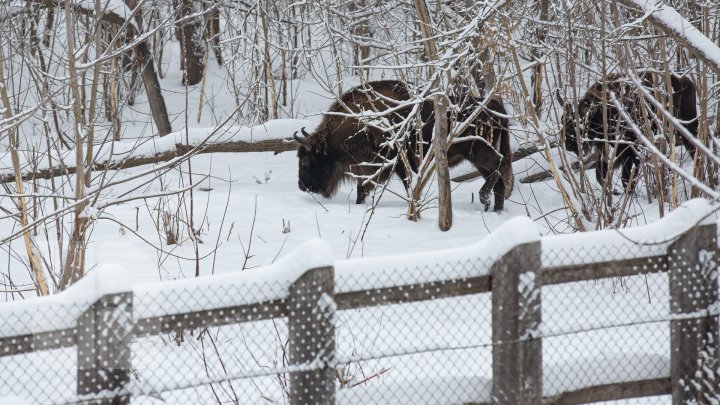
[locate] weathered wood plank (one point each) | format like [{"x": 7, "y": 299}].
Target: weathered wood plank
[
  {"x": 598, "y": 270},
  {"x": 58, "y": 339},
  {"x": 209, "y": 318},
  {"x": 311, "y": 337},
  {"x": 267, "y": 145},
  {"x": 694, "y": 348},
  {"x": 413, "y": 293},
  {"x": 547, "y": 174},
  {"x": 352, "y": 300},
  {"x": 103, "y": 348},
  {"x": 516, "y": 318},
  {"x": 612, "y": 392}
]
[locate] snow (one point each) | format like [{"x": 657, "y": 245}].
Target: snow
[
  {"x": 428, "y": 266},
  {"x": 191, "y": 295},
  {"x": 417, "y": 342},
  {"x": 61, "y": 311},
  {"x": 210, "y": 292},
  {"x": 636, "y": 242},
  {"x": 451, "y": 389},
  {"x": 429, "y": 255},
  {"x": 560, "y": 376},
  {"x": 577, "y": 373},
  {"x": 14, "y": 400},
  {"x": 117, "y": 151}
]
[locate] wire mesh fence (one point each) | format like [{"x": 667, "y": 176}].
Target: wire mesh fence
[
  {"x": 605, "y": 332},
  {"x": 537, "y": 322},
  {"x": 434, "y": 350}
]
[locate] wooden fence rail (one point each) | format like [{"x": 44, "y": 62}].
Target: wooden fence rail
[{"x": 103, "y": 333}]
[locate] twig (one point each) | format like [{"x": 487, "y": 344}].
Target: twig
[{"x": 252, "y": 229}]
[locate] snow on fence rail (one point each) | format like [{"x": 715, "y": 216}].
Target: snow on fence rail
[{"x": 102, "y": 315}]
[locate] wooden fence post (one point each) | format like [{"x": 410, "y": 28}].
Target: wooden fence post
[
  {"x": 103, "y": 348},
  {"x": 516, "y": 317},
  {"x": 694, "y": 358},
  {"x": 311, "y": 330}
]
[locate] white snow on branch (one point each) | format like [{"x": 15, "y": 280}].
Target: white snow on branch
[{"x": 670, "y": 19}]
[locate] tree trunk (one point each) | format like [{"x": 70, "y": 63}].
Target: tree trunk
[
  {"x": 142, "y": 52},
  {"x": 213, "y": 34},
  {"x": 537, "y": 77},
  {"x": 192, "y": 50},
  {"x": 74, "y": 266},
  {"x": 441, "y": 125},
  {"x": 154, "y": 92}
]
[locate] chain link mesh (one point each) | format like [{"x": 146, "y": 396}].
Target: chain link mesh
[
  {"x": 608, "y": 331},
  {"x": 393, "y": 333}
]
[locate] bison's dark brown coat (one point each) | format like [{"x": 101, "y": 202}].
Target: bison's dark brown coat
[
  {"x": 592, "y": 132},
  {"x": 343, "y": 146}
]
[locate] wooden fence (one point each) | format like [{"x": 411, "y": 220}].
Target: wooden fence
[{"x": 104, "y": 332}]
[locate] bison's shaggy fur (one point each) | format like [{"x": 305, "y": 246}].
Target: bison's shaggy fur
[
  {"x": 347, "y": 144},
  {"x": 623, "y": 141}
]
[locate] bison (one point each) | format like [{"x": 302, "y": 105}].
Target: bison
[
  {"x": 590, "y": 113},
  {"x": 344, "y": 146}
]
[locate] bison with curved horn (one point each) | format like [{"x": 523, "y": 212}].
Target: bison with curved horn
[
  {"x": 345, "y": 146},
  {"x": 582, "y": 127}
]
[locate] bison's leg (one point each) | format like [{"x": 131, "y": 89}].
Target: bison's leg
[
  {"x": 629, "y": 159},
  {"x": 492, "y": 183},
  {"x": 362, "y": 191},
  {"x": 601, "y": 170},
  {"x": 488, "y": 162},
  {"x": 508, "y": 177},
  {"x": 500, "y": 191},
  {"x": 625, "y": 158}
]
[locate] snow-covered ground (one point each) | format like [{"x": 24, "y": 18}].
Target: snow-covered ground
[{"x": 415, "y": 353}]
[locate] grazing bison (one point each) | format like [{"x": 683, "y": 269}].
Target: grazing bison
[
  {"x": 590, "y": 112},
  {"x": 345, "y": 146}
]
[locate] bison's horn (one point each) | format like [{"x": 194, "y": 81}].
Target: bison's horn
[
  {"x": 305, "y": 134},
  {"x": 302, "y": 141}
]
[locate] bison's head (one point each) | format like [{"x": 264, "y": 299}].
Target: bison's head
[{"x": 316, "y": 168}]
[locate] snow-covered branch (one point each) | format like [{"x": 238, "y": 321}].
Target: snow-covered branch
[{"x": 672, "y": 23}]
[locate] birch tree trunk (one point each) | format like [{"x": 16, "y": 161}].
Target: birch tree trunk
[{"x": 35, "y": 264}]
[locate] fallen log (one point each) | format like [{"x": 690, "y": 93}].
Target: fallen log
[
  {"x": 575, "y": 166},
  {"x": 269, "y": 145},
  {"x": 518, "y": 154}
]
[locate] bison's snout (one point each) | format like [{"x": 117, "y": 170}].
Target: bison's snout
[{"x": 307, "y": 187}]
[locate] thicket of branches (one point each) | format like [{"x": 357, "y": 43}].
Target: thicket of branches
[{"x": 73, "y": 76}]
